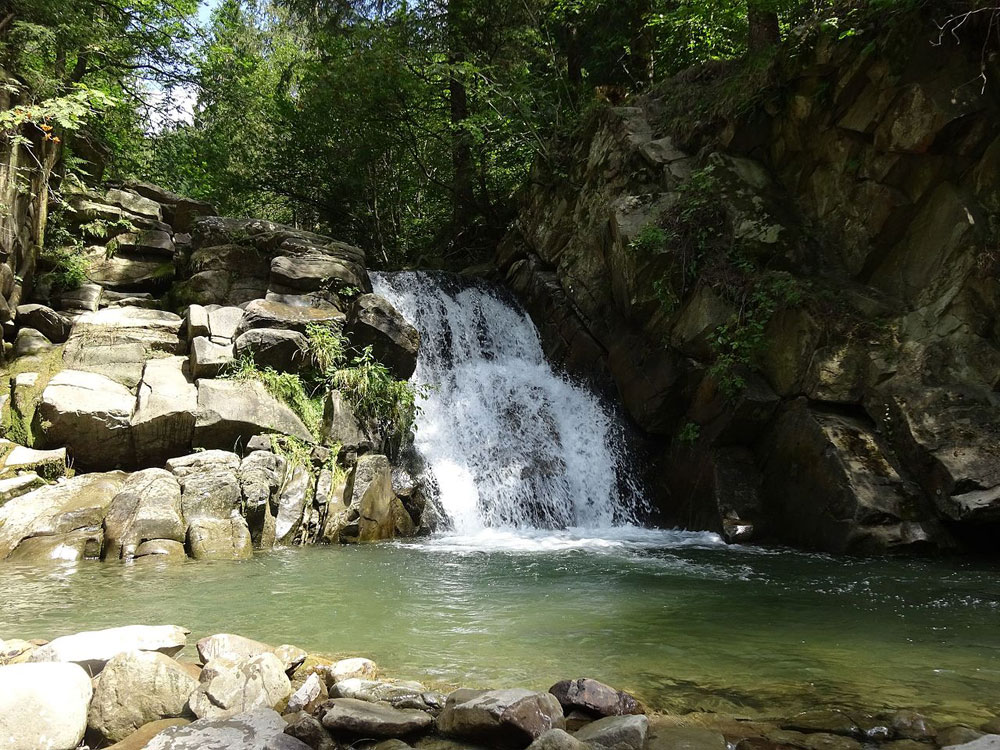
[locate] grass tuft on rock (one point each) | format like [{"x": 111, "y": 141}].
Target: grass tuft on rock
[{"x": 287, "y": 387}]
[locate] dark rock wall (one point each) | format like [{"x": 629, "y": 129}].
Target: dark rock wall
[{"x": 871, "y": 175}]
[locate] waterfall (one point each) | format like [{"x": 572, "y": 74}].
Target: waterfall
[{"x": 510, "y": 442}]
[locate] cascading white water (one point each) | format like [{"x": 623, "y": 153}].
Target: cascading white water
[{"x": 510, "y": 442}]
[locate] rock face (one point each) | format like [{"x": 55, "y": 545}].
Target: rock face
[
  {"x": 508, "y": 717},
  {"x": 135, "y": 688},
  {"x": 890, "y": 336},
  {"x": 43, "y": 706}
]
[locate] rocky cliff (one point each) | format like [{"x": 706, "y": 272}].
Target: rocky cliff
[
  {"x": 797, "y": 304},
  {"x": 172, "y": 343}
]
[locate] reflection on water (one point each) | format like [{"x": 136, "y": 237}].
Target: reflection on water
[{"x": 680, "y": 619}]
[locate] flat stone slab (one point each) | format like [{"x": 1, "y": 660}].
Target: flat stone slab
[
  {"x": 95, "y": 648},
  {"x": 155, "y": 330},
  {"x": 361, "y": 717}
]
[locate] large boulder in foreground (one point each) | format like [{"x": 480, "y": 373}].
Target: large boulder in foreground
[
  {"x": 372, "y": 321},
  {"x": 259, "y": 729},
  {"x": 230, "y": 687},
  {"x": 594, "y": 697},
  {"x": 43, "y": 706},
  {"x": 135, "y": 688},
  {"x": 231, "y": 412},
  {"x": 95, "y": 648},
  {"x": 91, "y": 415},
  {"x": 511, "y": 718},
  {"x": 372, "y": 719}
]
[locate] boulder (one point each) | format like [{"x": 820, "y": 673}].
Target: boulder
[
  {"x": 223, "y": 323},
  {"x": 231, "y": 412},
  {"x": 135, "y": 688},
  {"x": 43, "y": 706},
  {"x": 557, "y": 739},
  {"x": 120, "y": 362},
  {"x": 374, "y": 512},
  {"x": 354, "y": 668},
  {"x": 93, "y": 649},
  {"x": 986, "y": 742},
  {"x": 219, "y": 539},
  {"x": 69, "y": 547},
  {"x": 91, "y": 415},
  {"x": 197, "y": 322},
  {"x": 263, "y": 314},
  {"x": 19, "y": 485},
  {"x": 284, "y": 351},
  {"x": 291, "y": 504},
  {"x": 372, "y": 719},
  {"x": 308, "y": 695},
  {"x": 139, "y": 739},
  {"x": 341, "y": 426},
  {"x": 229, "y": 687},
  {"x": 147, "y": 507},
  {"x": 310, "y": 731},
  {"x": 134, "y": 203},
  {"x": 154, "y": 330},
  {"x": 513, "y": 717},
  {"x": 54, "y": 326},
  {"x": 84, "y": 299},
  {"x": 619, "y": 732},
  {"x": 372, "y": 321},
  {"x": 161, "y": 549},
  {"x": 402, "y": 694},
  {"x": 30, "y": 342},
  {"x": 258, "y": 729},
  {"x": 128, "y": 272},
  {"x": 594, "y": 697},
  {"x": 230, "y": 646},
  {"x": 260, "y": 476},
  {"x": 314, "y": 272},
  {"x": 163, "y": 422},
  {"x": 203, "y": 462},
  {"x": 49, "y": 464},
  {"x": 77, "y": 503},
  {"x": 154, "y": 243}
]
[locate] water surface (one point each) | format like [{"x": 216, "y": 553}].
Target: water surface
[{"x": 679, "y": 618}]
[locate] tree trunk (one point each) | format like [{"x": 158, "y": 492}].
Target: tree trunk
[
  {"x": 764, "y": 30},
  {"x": 641, "y": 61}
]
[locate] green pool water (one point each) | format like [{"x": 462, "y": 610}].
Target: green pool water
[{"x": 681, "y": 620}]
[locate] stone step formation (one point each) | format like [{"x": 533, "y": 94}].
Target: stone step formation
[{"x": 126, "y": 438}]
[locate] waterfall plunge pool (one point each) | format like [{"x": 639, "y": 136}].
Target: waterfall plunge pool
[{"x": 680, "y": 619}]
